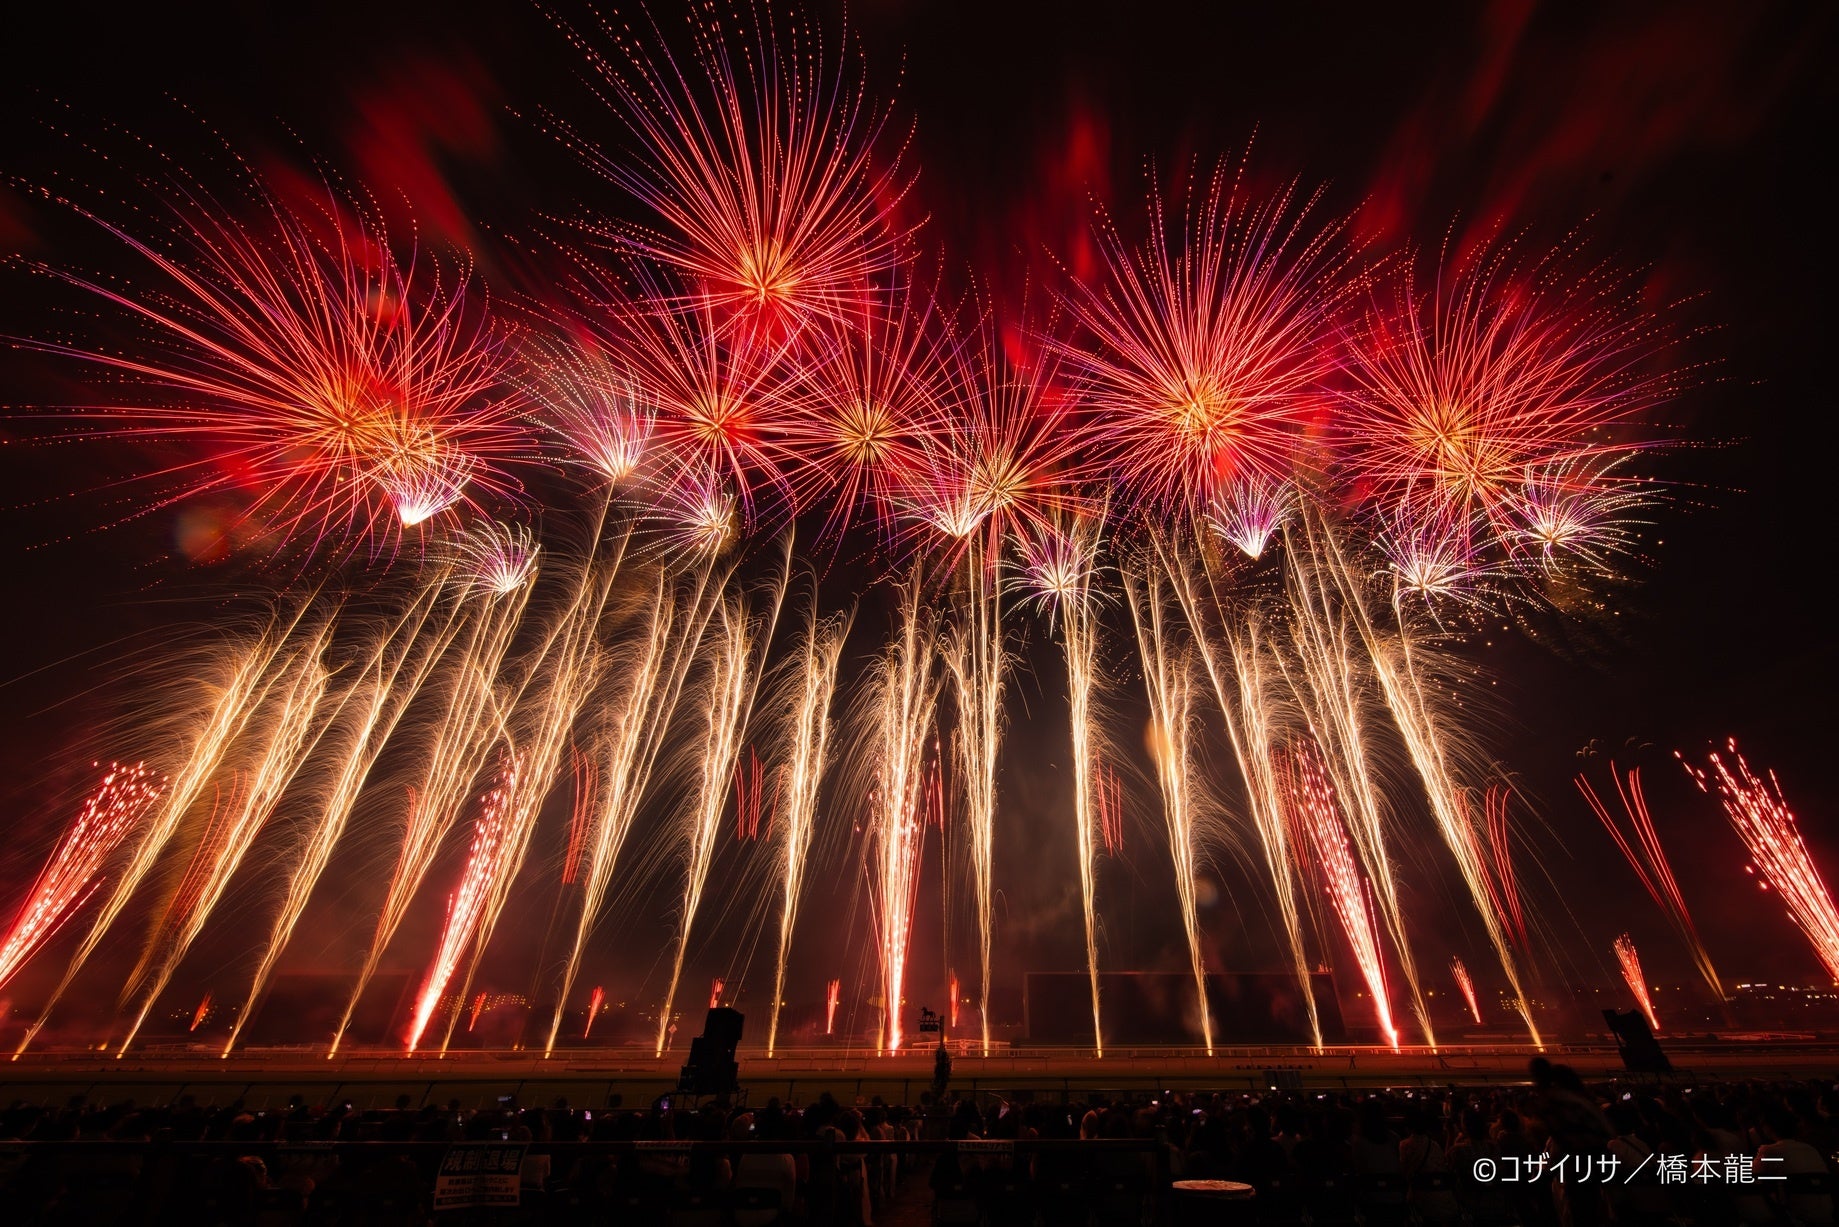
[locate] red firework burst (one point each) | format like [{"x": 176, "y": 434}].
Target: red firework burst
[
  {"x": 1202, "y": 351},
  {"x": 1505, "y": 395},
  {"x": 865, "y": 402},
  {"x": 342, "y": 391},
  {"x": 719, "y": 418},
  {"x": 1008, "y": 454},
  {"x": 759, "y": 159}
]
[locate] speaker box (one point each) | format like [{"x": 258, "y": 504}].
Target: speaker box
[
  {"x": 722, "y": 1028},
  {"x": 712, "y": 1069},
  {"x": 1640, "y": 1051}
]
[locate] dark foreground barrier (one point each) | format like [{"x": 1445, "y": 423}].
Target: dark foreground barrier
[{"x": 1113, "y": 1182}]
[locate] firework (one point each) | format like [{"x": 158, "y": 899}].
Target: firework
[
  {"x": 902, "y": 700},
  {"x": 201, "y": 1014},
  {"x": 832, "y": 995},
  {"x": 1489, "y": 846},
  {"x": 1637, "y": 983},
  {"x": 284, "y": 730},
  {"x": 247, "y": 677},
  {"x": 388, "y": 680},
  {"x": 864, "y": 404},
  {"x": 558, "y": 684},
  {"x": 1315, "y": 813},
  {"x": 491, "y": 850},
  {"x": 736, "y": 660},
  {"x": 502, "y": 557},
  {"x": 1760, "y": 814},
  {"x": 759, "y": 161},
  {"x": 1202, "y": 350},
  {"x": 595, "y": 1000},
  {"x": 108, "y": 816},
  {"x": 1649, "y": 861},
  {"x": 348, "y": 390},
  {"x": 629, "y": 747},
  {"x": 465, "y": 728},
  {"x": 1006, "y": 456},
  {"x": 1169, "y": 681},
  {"x": 1467, "y": 988},
  {"x": 1395, "y": 668},
  {"x": 1248, "y": 701},
  {"x": 594, "y": 403},
  {"x": 716, "y": 413},
  {"x": 1248, "y": 511},
  {"x": 1060, "y": 570},
  {"x": 1333, "y": 696},
  {"x": 1504, "y": 395},
  {"x": 977, "y": 661},
  {"x": 808, "y": 732}
]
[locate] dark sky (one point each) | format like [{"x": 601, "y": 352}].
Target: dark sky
[{"x": 1684, "y": 137}]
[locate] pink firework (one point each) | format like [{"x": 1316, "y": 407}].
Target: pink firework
[
  {"x": 759, "y": 161},
  {"x": 491, "y": 850},
  {"x": 1505, "y": 393},
  {"x": 593, "y": 403},
  {"x": 1466, "y": 986},
  {"x": 107, "y": 816},
  {"x": 715, "y": 991},
  {"x": 586, "y": 771},
  {"x": 501, "y": 558},
  {"x": 595, "y": 1000},
  {"x": 200, "y": 1014},
  {"x": 1248, "y": 510},
  {"x": 1309, "y": 802},
  {"x": 1648, "y": 859},
  {"x": 1631, "y": 975},
  {"x": 1760, "y": 814},
  {"x": 1490, "y": 844},
  {"x": 1201, "y": 353},
  {"x": 832, "y": 995},
  {"x": 336, "y": 390}
]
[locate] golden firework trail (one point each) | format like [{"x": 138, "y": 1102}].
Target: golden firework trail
[
  {"x": 902, "y": 701},
  {"x": 285, "y": 743},
  {"x": 737, "y": 658},
  {"x": 809, "y": 695},
  {"x": 562, "y": 677},
  {"x": 628, "y": 748},
  {"x": 1396, "y": 671},
  {"x": 1334, "y": 695},
  {"x": 388, "y": 681},
  {"x": 464, "y": 731},
  {"x": 1637, "y": 983},
  {"x": 1243, "y": 685},
  {"x": 977, "y": 661},
  {"x": 1169, "y": 682},
  {"x": 1061, "y": 569},
  {"x": 247, "y": 678}
]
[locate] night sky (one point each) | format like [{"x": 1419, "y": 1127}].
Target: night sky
[{"x": 1684, "y": 138}]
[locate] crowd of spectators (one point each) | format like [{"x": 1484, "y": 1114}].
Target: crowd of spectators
[{"x": 1552, "y": 1151}]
